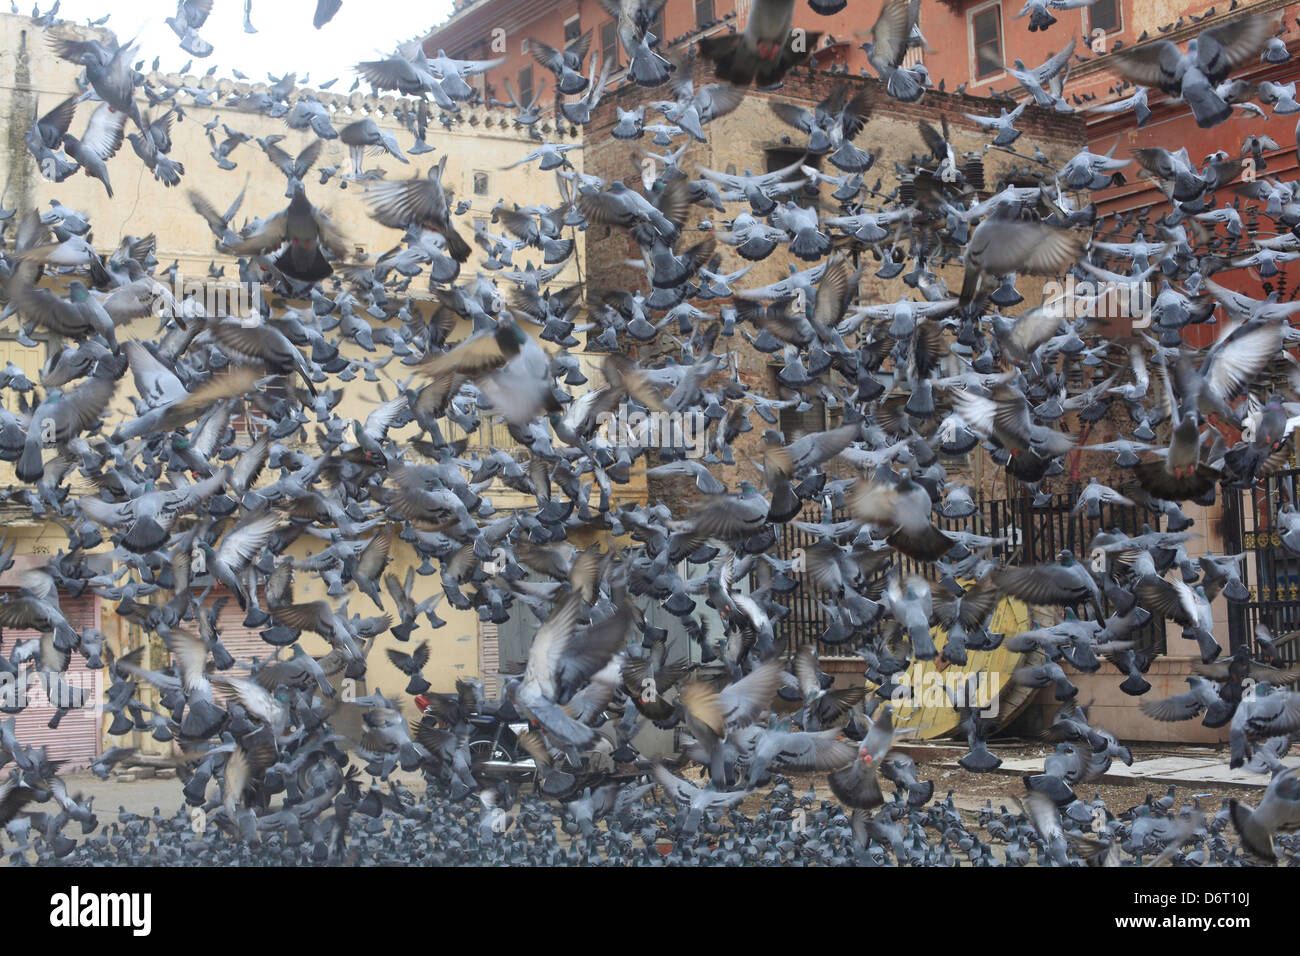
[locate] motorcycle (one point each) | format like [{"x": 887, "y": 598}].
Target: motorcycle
[
  {"x": 495, "y": 749},
  {"x": 494, "y": 746}
]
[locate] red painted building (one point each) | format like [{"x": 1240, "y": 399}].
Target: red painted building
[{"x": 970, "y": 42}]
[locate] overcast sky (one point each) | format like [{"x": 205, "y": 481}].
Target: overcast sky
[{"x": 285, "y": 41}]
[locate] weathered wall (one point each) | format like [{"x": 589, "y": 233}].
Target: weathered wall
[
  {"x": 738, "y": 142},
  {"x": 478, "y": 141}
]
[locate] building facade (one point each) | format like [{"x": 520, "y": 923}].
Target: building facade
[
  {"x": 971, "y": 43},
  {"x": 479, "y": 143}
]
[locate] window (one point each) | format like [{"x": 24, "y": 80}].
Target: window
[
  {"x": 609, "y": 45},
  {"x": 489, "y": 434},
  {"x": 914, "y": 55},
  {"x": 986, "y": 41},
  {"x": 780, "y": 158},
  {"x": 705, "y": 15},
  {"x": 572, "y": 29},
  {"x": 481, "y": 183},
  {"x": 525, "y": 86},
  {"x": 1105, "y": 15},
  {"x": 816, "y": 417},
  {"x": 796, "y": 424}
]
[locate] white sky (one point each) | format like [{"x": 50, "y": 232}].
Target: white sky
[{"x": 285, "y": 42}]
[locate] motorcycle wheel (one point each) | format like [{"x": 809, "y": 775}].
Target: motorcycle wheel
[{"x": 485, "y": 749}]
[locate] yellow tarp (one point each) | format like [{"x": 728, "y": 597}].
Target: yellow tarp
[{"x": 932, "y": 715}]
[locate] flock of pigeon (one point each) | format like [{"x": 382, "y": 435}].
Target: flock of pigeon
[
  {"x": 614, "y": 825},
  {"x": 180, "y": 493}
]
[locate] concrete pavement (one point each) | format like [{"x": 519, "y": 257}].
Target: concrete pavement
[{"x": 1192, "y": 771}]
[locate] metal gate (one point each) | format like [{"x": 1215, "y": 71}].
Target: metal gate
[
  {"x": 1025, "y": 535},
  {"x": 244, "y": 644},
  {"x": 76, "y": 740},
  {"x": 1269, "y": 570}
]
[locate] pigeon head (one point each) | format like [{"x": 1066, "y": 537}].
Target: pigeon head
[{"x": 510, "y": 337}]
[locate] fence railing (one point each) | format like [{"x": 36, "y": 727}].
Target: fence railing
[
  {"x": 1023, "y": 535},
  {"x": 1270, "y": 572}
]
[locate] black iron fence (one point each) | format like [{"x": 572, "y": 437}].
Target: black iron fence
[
  {"x": 1022, "y": 533},
  {"x": 1270, "y": 572}
]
